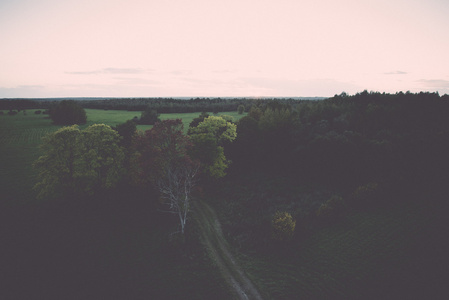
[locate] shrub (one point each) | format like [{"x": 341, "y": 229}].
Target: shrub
[
  {"x": 283, "y": 226},
  {"x": 240, "y": 109},
  {"x": 38, "y": 112}
]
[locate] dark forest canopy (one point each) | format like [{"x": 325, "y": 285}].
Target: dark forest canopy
[
  {"x": 210, "y": 104},
  {"x": 162, "y": 105}
]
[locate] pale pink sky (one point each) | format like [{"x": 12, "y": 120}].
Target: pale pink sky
[{"x": 159, "y": 48}]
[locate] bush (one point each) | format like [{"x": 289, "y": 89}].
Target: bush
[
  {"x": 283, "y": 226},
  {"x": 240, "y": 109},
  {"x": 68, "y": 112}
]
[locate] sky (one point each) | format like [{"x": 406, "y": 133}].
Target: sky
[{"x": 216, "y": 48}]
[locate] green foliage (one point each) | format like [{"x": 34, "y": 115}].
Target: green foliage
[
  {"x": 240, "y": 109},
  {"x": 255, "y": 113},
  {"x": 273, "y": 119},
  {"x": 283, "y": 226},
  {"x": 208, "y": 139},
  {"x": 68, "y": 112},
  {"x": 58, "y": 168},
  {"x": 127, "y": 131},
  {"x": 102, "y": 157},
  {"x": 76, "y": 162},
  {"x": 223, "y": 131},
  {"x": 199, "y": 119}
]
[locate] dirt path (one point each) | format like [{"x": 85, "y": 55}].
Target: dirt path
[{"x": 218, "y": 249}]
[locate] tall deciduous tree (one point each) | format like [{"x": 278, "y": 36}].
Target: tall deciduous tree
[
  {"x": 58, "y": 168},
  {"x": 77, "y": 162},
  {"x": 209, "y": 139},
  {"x": 162, "y": 160},
  {"x": 102, "y": 158}
]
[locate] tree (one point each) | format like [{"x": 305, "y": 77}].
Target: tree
[
  {"x": 127, "y": 131},
  {"x": 223, "y": 131},
  {"x": 162, "y": 160},
  {"x": 209, "y": 138},
  {"x": 198, "y": 119},
  {"x": 68, "y": 112},
  {"x": 176, "y": 187},
  {"x": 58, "y": 167},
  {"x": 102, "y": 158},
  {"x": 210, "y": 155},
  {"x": 240, "y": 109},
  {"x": 149, "y": 117},
  {"x": 76, "y": 162}
]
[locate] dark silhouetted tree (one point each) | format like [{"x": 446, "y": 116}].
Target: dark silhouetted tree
[{"x": 68, "y": 112}]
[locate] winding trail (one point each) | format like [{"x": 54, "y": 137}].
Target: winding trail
[{"x": 218, "y": 249}]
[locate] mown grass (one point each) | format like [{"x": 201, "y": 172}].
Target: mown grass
[{"x": 116, "y": 247}]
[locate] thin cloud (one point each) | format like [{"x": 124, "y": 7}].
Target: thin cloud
[
  {"x": 435, "y": 83},
  {"x": 300, "y": 88},
  {"x": 136, "y": 81},
  {"x": 396, "y": 73},
  {"x": 181, "y": 72},
  {"x": 111, "y": 71}
]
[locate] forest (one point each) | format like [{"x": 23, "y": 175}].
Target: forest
[{"x": 337, "y": 198}]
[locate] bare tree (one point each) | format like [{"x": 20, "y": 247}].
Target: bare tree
[{"x": 176, "y": 187}]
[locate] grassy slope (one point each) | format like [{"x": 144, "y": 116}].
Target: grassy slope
[{"x": 91, "y": 250}]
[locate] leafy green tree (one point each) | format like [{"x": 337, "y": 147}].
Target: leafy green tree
[
  {"x": 209, "y": 139},
  {"x": 223, "y": 131},
  {"x": 211, "y": 156},
  {"x": 68, "y": 112},
  {"x": 76, "y": 162},
  {"x": 102, "y": 157},
  {"x": 240, "y": 109},
  {"x": 58, "y": 168}
]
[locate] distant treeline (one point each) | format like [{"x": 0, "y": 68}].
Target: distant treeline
[{"x": 161, "y": 105}]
